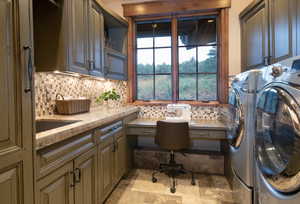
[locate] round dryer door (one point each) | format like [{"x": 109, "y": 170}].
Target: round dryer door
[
  {"x": 236, "y": 131},
  {"x": 278, "y": 139}
]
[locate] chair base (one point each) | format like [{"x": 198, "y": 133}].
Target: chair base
[{"x": 172, "y": 169}]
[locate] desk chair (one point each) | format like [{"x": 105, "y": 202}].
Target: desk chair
[{"x": 172, "y": 136}]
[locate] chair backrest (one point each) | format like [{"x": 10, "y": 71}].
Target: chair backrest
[{"x": 172, "y": 135}]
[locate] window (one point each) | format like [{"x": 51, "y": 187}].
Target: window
[
  {"x": 195, "y": 74},
  {"x": 154, "y": 60},
  {"x": 197, "y": 56}
]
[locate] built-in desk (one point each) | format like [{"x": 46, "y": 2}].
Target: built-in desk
[
  {"x": 208, "y": 152},
  {"x": 199, "y": 129},
  {"x": 207, "y": 135}
]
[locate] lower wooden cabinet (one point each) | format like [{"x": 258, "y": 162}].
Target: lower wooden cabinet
[
  {"x": 112, "y": 159},
  {"x": 74, "y": 183},
  {"x": 9, "y": 181},
  {"x": 83, "y": 169},
  {"x": 57, "y": 188},
  {"x": 105, "y": 165},
  {"x": 85, "y": 173},
  {"x": 120, "y": 166}
]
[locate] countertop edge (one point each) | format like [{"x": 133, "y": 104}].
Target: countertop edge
[{"x": 52, "y": 138}]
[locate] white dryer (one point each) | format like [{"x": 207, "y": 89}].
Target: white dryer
[{"x": 277, "y": 140}]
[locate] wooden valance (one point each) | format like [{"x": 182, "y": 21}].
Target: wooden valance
[{"x": 172, "y": 7}]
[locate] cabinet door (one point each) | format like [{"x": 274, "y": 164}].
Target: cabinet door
[
  {"x": 282, "y": 18},
  {"x": 96, "y": 40},
  {"x": 115, "y": 65},
  {"x": 78, "y": 36},
  {"x": 106, "y": 162},
  {"x": 16, "y": 148},
  {"x": 85, "y": 177},
  {"x": 120, "y": 157},
  {"x": 57, "y": 188},
  {"x": 255, "y": 45}
]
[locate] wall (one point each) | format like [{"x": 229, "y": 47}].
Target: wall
[
  {"x": 234, "y": 35},
  {"x": 48, "y": 85},
  {"x": 234, "y": 28}
]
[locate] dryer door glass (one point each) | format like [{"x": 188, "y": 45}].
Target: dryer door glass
[
  {"x": 236, "y": 130},
  {"x": 278, "y": 138}
]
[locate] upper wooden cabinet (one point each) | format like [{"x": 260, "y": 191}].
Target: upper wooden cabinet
[
  {"x": 115, "y": 59},
  {"x": 78, "y": 21},
  {"x": 16, "y": 138},
  {"x": 96, "y": 33},
  {"x": 269, "y": 32},
  {"x": 255, "y": 49},
  {"x": 61, "y": 36},
  {"x": 70, "y": 36},
  {"x": 282, "y": 29}
]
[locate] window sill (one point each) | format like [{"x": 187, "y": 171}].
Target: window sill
[{"x": 193, "y": 103}]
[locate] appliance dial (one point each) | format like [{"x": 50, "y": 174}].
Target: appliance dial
[{"x": 277, "y": 71}]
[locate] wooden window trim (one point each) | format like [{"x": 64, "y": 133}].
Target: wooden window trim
[
  {"x": 223, "y": 58},
  {"x": 172, "y": 7}
]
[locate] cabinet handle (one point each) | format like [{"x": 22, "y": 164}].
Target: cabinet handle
[
  {"x": 114, "y": 147},
  {"x": 29, "y": 69},
  {"x": 77, "y": 175},
  {"x": 148, "y": 132},
  {"x": 72, "y": 179}
]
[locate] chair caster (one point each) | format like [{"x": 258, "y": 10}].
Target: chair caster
[
  {"x": 154, "y": 180},
  {"x": 193, "y": 183},
  {"x": 173, "y": 190}
]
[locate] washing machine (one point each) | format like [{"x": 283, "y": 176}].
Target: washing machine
[
  {"x": 277, "y": 139},
  {"x": 242, "y": 100}
]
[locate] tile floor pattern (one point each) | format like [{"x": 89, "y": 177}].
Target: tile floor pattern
[{"x": 138, "y": 188}]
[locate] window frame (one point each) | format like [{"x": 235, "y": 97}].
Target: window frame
[
  {"x": 222, "y": 55},
  {"x": 154, "y": 49}
]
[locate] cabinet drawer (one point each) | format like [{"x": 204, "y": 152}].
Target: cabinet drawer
[
  {"x": 217, "y": 135},
  {"x": 199, "y": 134},
  {"x": 150, "y": 132},
  {"x": 50, "y": 158},
  {"x": 207, "y": 135},
  {"x": 99, "y": 132},
  {"x": 103, "y": 135}
]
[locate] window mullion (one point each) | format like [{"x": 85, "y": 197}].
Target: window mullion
[
  {"x": 197, "y": 76},
  {"x": 153, "y": 35},
  {"x": 175, "y": 77}
]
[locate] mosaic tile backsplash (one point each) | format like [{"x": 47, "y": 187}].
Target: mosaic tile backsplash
[
  {"x": 48, "y": 85},
  {"x": 198, "y": 112}
]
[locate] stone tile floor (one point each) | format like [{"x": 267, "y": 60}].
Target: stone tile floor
[{"x": 138, "y": 188}]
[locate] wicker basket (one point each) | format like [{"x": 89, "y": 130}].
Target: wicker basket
[{"x": 72, "y": 106}]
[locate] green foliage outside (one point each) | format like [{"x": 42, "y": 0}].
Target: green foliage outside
[{"x": 207, "y": 83}]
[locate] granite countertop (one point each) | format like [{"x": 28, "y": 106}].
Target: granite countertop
[
  {"x": 87, "y": 121},
  {"x": 194, "y": 124}
]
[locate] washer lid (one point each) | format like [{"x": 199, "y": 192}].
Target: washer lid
[
  {"x": 236, "y": 131},
  {"x": 278, "y": 139}
]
